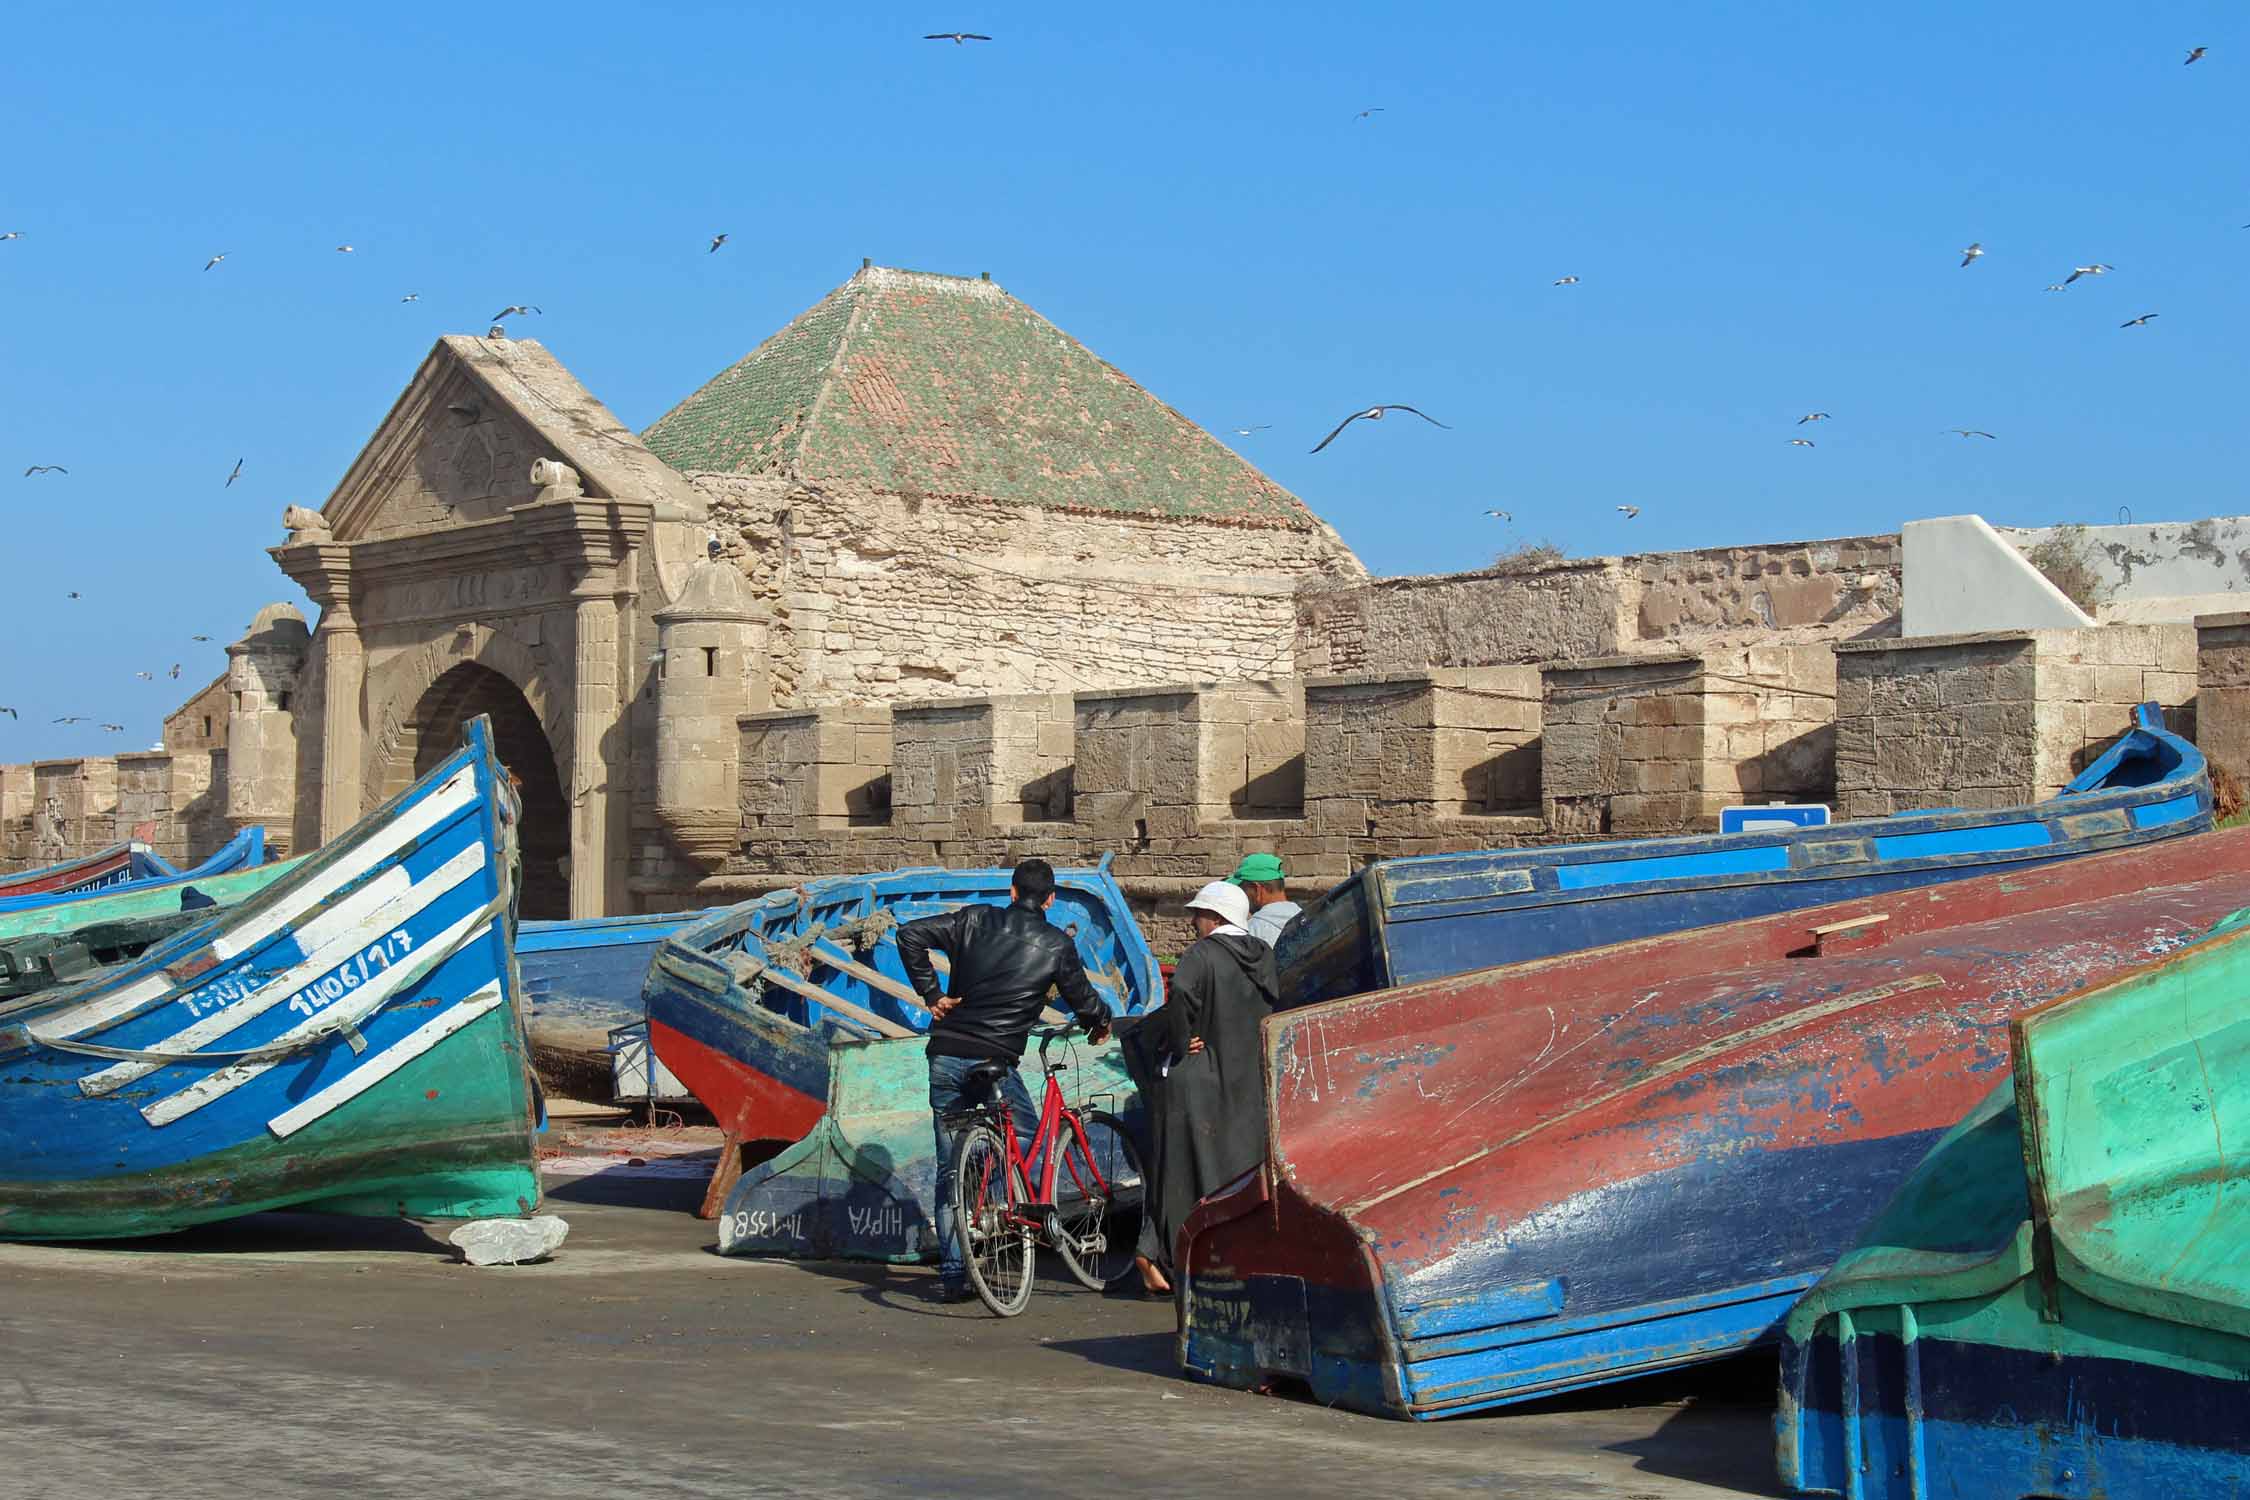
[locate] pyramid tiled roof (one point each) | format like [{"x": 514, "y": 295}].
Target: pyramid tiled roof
[{"x": 941, "y": 386}]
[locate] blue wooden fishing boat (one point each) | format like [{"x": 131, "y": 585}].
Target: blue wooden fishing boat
[
  {"x": 347, "y": 1039},
  {"x": 115, "y": 865},
  {"x": 1508, "y": 1184},
  {"x": 582, "y": 981},
  {"x": 742, "y": 1006},
  {"x": 144, "y": 870},
  {"x": 1404, "y": 920},
  {"x": 2057, "y": 1303}
]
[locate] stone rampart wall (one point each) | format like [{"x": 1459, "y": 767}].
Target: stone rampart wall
[
  {"x": 876, "y": 596},
  {"x": 1996, "y": 719},
  {"x": 53, "y": 810},
  {"x": 1593, "y": 608}
]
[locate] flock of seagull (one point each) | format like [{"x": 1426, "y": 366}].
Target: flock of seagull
[{"x": 1970, "y": 255}]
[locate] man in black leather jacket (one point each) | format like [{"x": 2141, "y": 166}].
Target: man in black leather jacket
[{"x": 1005, "y": 959}]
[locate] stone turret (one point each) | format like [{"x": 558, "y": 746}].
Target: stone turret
[
  {"x": 262, "y": 674},
  {"x": 711, "y": 671}
]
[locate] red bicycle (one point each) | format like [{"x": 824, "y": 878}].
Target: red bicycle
[{"x": 1090, "y": 1189}]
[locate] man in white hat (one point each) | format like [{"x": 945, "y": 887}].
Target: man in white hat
[{"x": 1210, "y": 1124}]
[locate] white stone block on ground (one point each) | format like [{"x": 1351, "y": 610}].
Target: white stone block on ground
[{"x": 510, "y": 1242}]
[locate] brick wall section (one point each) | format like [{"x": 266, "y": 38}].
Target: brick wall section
[
  {"x": 1997, "y": 719},
  {"x": 809, "y": 770},
  {"x": 981, "y": 763},
  {"x": 2088, "y": 681},
  {"x": 1401, "y": 752},
  {"x": 1590, "y": 608},
  {"x": 201, "y": 722},
  {"x": 877, "y": 596},
  {"x": 1655, "y": 744},
  {"x": 2222, "y": 695},
  {"x": 100, "y": 801},
  {"x": 1937, "y": 721}
]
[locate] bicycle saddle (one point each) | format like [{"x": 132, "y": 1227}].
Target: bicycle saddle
[{"x": 983, "y": 1080}]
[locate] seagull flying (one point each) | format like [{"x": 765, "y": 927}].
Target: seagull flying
[
  {"x": 1246, "y": 431},
  {"x": 1802, "y": 443},
  {"x": 411, "y": 297},
  {"x": 509, "y": 312},
  {"x": 1363, "y": 114},
  {"x": 956, "y": 37},
  {"x": 2094, "y": 270},
  {"x": 1503, "y": 515},
  {"x": 199, "y": 637},
  {"x": 1628, "y": 511},
  {"x": 71, "y": 719},
  {"x": 2053, "y": 286},
  {"x": 231, "y": 478},
  {"x": 175, "y": 672},
  {"x": 44, "y": 469},
  {"x": 2194, "y": 53},
  {"x": 146, "y": 676},
  {"x": 114, "y": 728},
  {"x": 13, "y": 234},
  {"x": 1812, "y": 416},
  {"x": 343, "y": 249},
  {"x": 1970, "y": 432},
  {"x": 11, "y": 713},
  {"x": 1969, "y": 255},
  {"x": 1375, "y": 414},
  {"x": 1564, "y": 281},
  {"x": 2137, "y": 322},
  {"x": 214, "y": 260},
  {"x": 716, "y": 241},
  {"x": 72, "y": 594}
]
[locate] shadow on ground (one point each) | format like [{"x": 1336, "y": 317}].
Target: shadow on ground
[{"x": 282, "y": 1234}]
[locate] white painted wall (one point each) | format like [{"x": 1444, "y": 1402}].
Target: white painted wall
[
  {"x": 2156, "y": 572},
  {"x": 1961, "y": 576}
]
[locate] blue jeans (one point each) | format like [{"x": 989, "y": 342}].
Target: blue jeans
[{"x": 946, "y": 1098}]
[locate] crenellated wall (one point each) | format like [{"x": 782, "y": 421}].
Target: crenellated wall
[{"x": 174, "y": 801}]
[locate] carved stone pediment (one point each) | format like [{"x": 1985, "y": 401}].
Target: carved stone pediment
[{"x": 461, "y": 442}]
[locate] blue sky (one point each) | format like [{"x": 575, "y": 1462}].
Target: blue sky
[{"x": 1764, "y": 204}]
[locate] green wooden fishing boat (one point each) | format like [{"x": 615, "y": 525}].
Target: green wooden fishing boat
[
  {"x": 128, "y": 904},
  {"x": 348, "y": 1039},
  {"x": 2058, "y": 1301},
  {"x": 63, "y": 942},
  {"x": 863, "y": 1184}
]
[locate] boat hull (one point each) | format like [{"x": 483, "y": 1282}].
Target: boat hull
[
  {"x": 1407, "y": 920},
  {"x": 751, "y": 1042},
  {"x": 348, "y": 1039},
  {"x": 583, "y": 980},
  {"x": 1533, "y": 1179},
  {"x": 862, "y": 1184},
  {"x": 2057, "y": 1300}
]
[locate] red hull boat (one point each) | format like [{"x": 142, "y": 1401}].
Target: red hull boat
[{"x": 1530, "y": 1179}]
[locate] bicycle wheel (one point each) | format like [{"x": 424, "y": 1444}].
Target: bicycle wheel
[
  {"x": 995, "y": 1244},
  {"x": 1097, "y": 1222}
]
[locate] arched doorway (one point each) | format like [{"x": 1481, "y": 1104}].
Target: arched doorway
[{"x": 434, "y": 731}]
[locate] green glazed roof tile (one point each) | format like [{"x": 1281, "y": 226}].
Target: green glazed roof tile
[{"x": 925, "y": 385}]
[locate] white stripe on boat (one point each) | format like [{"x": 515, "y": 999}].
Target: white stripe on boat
[
  {"x": 458, "y": 792},
  {"x": 386, "y": 1062},
  {"x": 235, "y": 1074},
  {"x": 361, "y": 922}
]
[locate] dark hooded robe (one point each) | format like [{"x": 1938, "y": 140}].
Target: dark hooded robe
[{"x": 1206, "y": 1111}]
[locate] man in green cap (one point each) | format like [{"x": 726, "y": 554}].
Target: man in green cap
[{"x": 1262, "y": 880}]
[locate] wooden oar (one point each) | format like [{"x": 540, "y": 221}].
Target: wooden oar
[{"x": 748, "y": 968}]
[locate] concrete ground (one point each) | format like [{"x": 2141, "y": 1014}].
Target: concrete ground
[{"x": 295, "y": 1355}]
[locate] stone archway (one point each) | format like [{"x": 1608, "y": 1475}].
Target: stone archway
[{"x": 432, "y": 731}]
